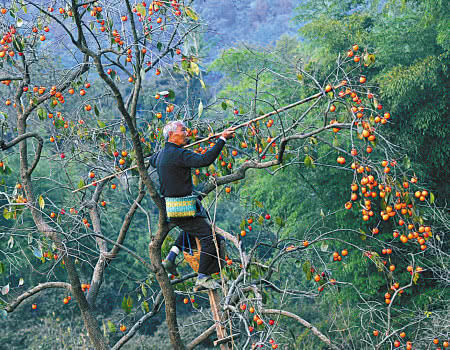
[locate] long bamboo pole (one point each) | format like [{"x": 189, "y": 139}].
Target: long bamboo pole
[{"x": 247, "y": 123}]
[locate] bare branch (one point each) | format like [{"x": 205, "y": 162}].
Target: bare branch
[{"x": 40, "y": 287}]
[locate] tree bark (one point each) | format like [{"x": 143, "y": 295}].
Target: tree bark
[{"x": 164, "y": 283}]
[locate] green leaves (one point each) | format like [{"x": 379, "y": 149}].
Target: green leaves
[
  {"x": 279, "y": 221},
  {"x": 96, "y": 111},
  {"x": 81, "y": 184},
  {"x": 368, "y": 59},
  {"x": 144, "y": 290},
  {"x": 59, "y": 123},
  {"x": 407, "y": 162},
  {"x": 41, "y": 113},
  {"x": 363, "y": 235},
  {"x": 144, "y": 306},
  {"x": 18, "y": 44},
  {"x": 5, "y": 169},
  {"x": 431, "y": 198},
  {"x": 258, "y": 204},
  {"x": 111, "y": 326},
  {"x": 7, "y": 214},
  {"x": 191, "y": 13},
  {"x": 260, "y": 219},
  {"x": 127, "y": 304},
  {"x": 141, "y": 9},
  {"x": 309, "y": 161},
  {"x": 171, "y": 94},
  {"x": 306, "y": 267},
  {"x": 242, "y": 225}
]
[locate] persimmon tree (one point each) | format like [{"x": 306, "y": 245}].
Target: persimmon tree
[{"x": 76, "y": 111}]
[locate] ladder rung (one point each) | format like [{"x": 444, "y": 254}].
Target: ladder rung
[{"x": 226, "y": 339}]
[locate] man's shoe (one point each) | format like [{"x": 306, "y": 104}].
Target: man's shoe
[
  {"x": 205, "y": 284},
  {"x": 170, "y": 267}
]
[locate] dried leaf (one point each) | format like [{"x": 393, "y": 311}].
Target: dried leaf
[
  {"x": 145, "y": 307},
  {"x": 5, "y": 289},
  {"x": 37, "y": 253},
  {"x": 195, "y": 68},
  {"x": 200, "y": 109}
]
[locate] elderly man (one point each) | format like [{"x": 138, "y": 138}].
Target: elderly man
[{"x": 173, "y": 164}]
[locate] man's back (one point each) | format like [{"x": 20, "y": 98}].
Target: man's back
[{"x": 174, "y": 165}]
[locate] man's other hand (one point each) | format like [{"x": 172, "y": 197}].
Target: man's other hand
[{"x": 228, "y": 133}]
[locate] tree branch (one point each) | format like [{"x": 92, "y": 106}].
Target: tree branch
[
  {"x": 305, "y": 323},
  {"x": 40, "y": 287},
  {"x": 201, "y": 338}
]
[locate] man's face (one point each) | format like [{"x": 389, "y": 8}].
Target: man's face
[{"x": 179, "y": 136}]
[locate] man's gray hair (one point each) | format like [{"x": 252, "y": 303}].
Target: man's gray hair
[{"x": 171, "y": 127}]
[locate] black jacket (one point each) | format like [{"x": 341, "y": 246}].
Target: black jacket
[{"x": 174, "y": 163}]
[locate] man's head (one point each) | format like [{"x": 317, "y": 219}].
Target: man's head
[{"x": 175, "y": 132}]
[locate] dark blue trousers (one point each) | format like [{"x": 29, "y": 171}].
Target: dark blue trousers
[{"x": 199, "y": 227}]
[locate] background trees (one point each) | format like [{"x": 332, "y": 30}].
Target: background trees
[{"x": 90, "y": 100}]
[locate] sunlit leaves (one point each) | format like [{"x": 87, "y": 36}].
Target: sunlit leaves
[
  {"x": 141, "y": 9},
  {"x": 111, "y": 326},
  {"x": 191, "y": 13},
  {"x": 195, "y": 68},
  {"x": 309, "y": 161},
  {"x": 145, "y": 307},
  {"x": 7, "y": 214}
]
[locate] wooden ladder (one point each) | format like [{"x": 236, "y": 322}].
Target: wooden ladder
[
  {"x": 214, "y": 300},
  {"x": 222, "y": 338}
]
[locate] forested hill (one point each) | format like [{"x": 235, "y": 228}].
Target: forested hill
[{"x": 259, "y": 22}]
